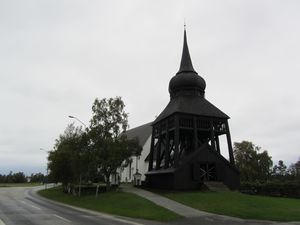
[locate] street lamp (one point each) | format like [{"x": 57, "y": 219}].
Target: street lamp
[
  {"x": 46, "y": 170},
  {"x": 74, "y": 117}
]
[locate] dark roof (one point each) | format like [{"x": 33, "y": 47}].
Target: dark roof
[
  {"x": 186, "y": 78},
  {"x": 186, "y": 62},
  {"x": 141, "y": 132},
  {"x": 191, "y": 105}
]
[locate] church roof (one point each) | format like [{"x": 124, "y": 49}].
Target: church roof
[
  {"x": 187, "y": 90},
  {"x": 191, "y": 105},
  {"x": 142, "y": 132}
]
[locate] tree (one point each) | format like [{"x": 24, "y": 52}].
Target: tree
[
  {"x": 297, "y": 167},
  {"x": 294, "y": 171},
  {"x": 109, "y": 147},
  {"x": 252, "y": 163},
  {"x": 37, "y": 177},
  {"x": 66, "y": 161},
  {"x": 280, "y": 169},
  {"x": 13, "y": 178}
]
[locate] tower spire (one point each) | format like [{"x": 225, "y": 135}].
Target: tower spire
[{"x": 186, "y": 62}]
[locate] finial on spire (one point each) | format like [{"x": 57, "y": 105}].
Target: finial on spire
[
  {"x": 184, "y": 24},
  {"x": 186, "y": 62}
]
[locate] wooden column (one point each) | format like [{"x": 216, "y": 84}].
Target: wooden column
[
  {"x": 176, "y": 142},
  {"x": 150, "y": 166},
  {"x": 231, "y": 158},
  {"x": 212, "y": 135},
  {"x": 167, "y": 149},
  {"x": 158, "y": 152},
  {"x": 195, "y": 138},
  {"x": 218, "y": 144}
]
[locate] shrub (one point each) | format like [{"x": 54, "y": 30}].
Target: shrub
[{"x": 272, "y": 188}]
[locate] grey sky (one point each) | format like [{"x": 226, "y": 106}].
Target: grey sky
[{"x": 56, "y": 57}]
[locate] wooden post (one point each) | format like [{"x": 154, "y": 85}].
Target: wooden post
[
  {"x": 158, "y": 152},
  {"x": 218, "y": 144},
  {"x": 150, "y": 166},
  {"x": 167, "y": 149},
  {"x": 176, "y": 142},
  {"x": 195, "y": 138},
  {"x": 231, "y": 158},
  {"x": 212, "y": 135}
]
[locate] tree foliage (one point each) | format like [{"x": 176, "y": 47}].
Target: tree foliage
[
  {"x": 108, "y": 122},
  {"x": 253, "y": 163},
  {"x": 37, "y": 177},
  {"x": 280, "y": 169},
  {"x": 283, "y": 173},
  {"x": 18, "y": 177},
  {"x": 66, "y": 161},
  {"x": 101, "y": 148}
]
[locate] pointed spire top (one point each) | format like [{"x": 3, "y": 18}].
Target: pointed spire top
[{"x": 186, "y": 62}]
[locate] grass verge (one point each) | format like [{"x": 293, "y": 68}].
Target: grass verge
[
  {"x": 19, "y": 184},
  {"x": 114, "y": 202},
  {"x": 240, "y": 205}
]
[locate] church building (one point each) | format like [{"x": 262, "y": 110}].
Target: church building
[{"x": 181, "y": 148}]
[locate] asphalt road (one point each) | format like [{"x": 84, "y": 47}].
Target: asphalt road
[{"x": 22, "y": 206}]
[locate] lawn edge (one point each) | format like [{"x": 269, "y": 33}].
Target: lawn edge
[
  {"x": 236, "y": 218},
  {"x": 120, "y": 218}
]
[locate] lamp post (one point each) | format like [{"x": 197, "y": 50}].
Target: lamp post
[
  {"x": 74, "y": 117},
  {"x": 46, "y": 170}
]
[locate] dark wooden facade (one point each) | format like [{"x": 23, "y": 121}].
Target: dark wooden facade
[{"x": 185, "y": 147}]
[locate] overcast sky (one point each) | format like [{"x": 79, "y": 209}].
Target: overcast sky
[{"x": 57, "y": 56}]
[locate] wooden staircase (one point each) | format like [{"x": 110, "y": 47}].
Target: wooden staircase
[{"x": 216, "y": 186}]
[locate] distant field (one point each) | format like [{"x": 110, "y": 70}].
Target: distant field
[
  {"x": 19, "y": 184},
  {"x": 114, "y": 202},
  {"x": 241, "y": 205}
]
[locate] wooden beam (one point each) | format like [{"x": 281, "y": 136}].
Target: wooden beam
[
  {"x": 150, "y": 166},
  {"x": 158, "y": 152},
  {"x": 176, "y": 142},
  {"x": 167, "y": 148},
  {"x": 212, "y": 135},
  {"x": 218, "y": 144},
  {"x": 231, "y": 157},
  {"x": 195, "y": 138}
]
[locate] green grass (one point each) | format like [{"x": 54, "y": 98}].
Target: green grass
[
  {"x": 19, "y": 184},
  {"x": 241, "y": 205},
  {"x": 114, "y": 202}
]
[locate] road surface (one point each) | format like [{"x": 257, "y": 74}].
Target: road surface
[{"x": 22, "y": 206}]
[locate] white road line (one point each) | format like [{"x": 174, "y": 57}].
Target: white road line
[
  {"x": 1, "y": 222},
  {"x": 120, "y": 220},
  {"x": 33, "y": 206},
  {"x": 64, "y": 219}
]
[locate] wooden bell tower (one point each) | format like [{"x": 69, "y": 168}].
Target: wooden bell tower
[{"x": 185, "y": 146}]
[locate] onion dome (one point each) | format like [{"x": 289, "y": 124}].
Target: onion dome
[{"x": 186, "y": 81}]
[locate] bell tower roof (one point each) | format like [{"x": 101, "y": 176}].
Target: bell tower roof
[
  {"x": 186, "y": 62},
  {"x": 186, "y": 80},
  {"x": 187, "y": 91}
]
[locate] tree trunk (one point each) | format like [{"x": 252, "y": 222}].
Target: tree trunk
[
  {"x": 107, "y": 182},
  {"x": 79, "y": 191}
]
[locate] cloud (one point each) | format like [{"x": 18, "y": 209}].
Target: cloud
[{"x": 57, "y": 57}]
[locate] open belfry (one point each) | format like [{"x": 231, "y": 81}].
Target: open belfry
[{"x": 185, "y": 146}]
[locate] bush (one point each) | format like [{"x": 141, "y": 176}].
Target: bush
[{"x": 272, "y": 188}]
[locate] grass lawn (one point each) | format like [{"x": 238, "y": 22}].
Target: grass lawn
[
  {"x": 19, "y": 184},
  {"x": 114, "y": 202},
  {"x": 241, "y": 205}
]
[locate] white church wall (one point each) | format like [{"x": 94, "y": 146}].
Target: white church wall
[{"x": 126, "y": 174}]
